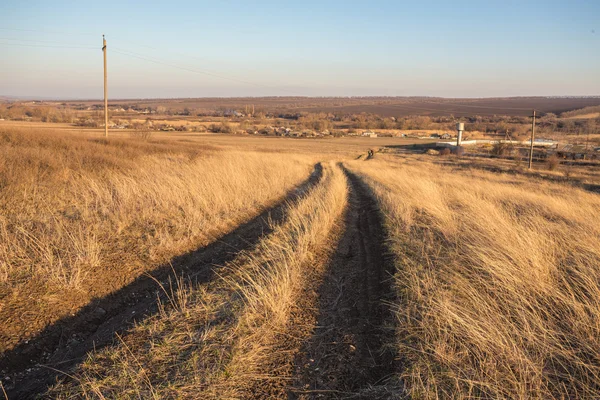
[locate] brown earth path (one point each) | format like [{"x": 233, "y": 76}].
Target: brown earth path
[
  {"x": 346, "y": 356},
  {"x": 28, "y": 369}
]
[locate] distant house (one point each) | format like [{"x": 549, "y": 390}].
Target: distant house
[
  {"x": 571, "y": 151},
  {"x": 369, "y": 134}
]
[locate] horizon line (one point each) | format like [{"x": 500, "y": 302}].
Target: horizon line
[{"x": 44, "y": 98}]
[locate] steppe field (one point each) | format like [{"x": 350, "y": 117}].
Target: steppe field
[{"x": 181, "y": 265}]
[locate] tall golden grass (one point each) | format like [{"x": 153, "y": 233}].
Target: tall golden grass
[
  {"x": 497, "y": 280},
  {"x": 81, "y": 217},
  {"x": 233, "y": 338}
]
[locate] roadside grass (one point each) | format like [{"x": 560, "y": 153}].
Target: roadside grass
[
  {"x": 235, "y": 337},
  {"x": 497, "y": 280},
  {"x": 81, "y": 217}
]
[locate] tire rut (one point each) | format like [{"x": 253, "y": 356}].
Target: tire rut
[
  {"x": 29, "y": 368},
  {"x": 346, "y": 354}
]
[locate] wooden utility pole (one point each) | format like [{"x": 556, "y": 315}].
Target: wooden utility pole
[
  {"x": 532, "y": 139},
  {"x": 587, "y": 143},
  {"x": 105, "y": 90}
]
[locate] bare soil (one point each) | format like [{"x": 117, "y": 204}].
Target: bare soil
[
  {"x": 28, "y": 369},
  {"x": 385, "y": 106},
  {"x": 346, "y": 355}
]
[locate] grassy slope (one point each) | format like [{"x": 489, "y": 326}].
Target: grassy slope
[
  {"x": 233, "y": 338},
  {"x": 498, "y": 281},
  {"x": 81, "y": 217}
]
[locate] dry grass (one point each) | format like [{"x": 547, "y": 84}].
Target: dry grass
[
  {"x": 233, "y": 336},
  {"x": 82, "y": 217},
  {"x": 497, "y": 280},
  {"x": 497, "y": 273},
  {"x": 576, "y": 174}
]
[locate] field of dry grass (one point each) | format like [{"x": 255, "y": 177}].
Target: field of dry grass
[
  {"x": 497, "y": 280},
  {"x": 493, "y": 294},
  {"x": 81, "y": 217},
  {"x": 232, "y": 338}
]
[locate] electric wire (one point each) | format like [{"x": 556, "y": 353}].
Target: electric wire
[
  {"x": 194, "y": 70},
  {"x": 45, "y": 42},
  {"x": 47, "y": 46},
  {"x": 129, "y": 53},
  {"x": 50, "y": 32}
]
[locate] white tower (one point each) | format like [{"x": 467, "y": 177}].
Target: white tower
[{"x": 460, "y": 127}]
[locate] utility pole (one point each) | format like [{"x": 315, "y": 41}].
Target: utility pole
[
  {"x": 105, "y": 90},
  {"x": 587, "y": 143},
  {"x": 532, "y": 139}
]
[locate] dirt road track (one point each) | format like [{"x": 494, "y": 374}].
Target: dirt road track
[
  {"x": 29, "y": 368},
  {"x": 345, "y": 356}
]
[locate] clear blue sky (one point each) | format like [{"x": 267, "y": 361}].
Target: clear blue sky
[{"x": 431, "y": 47}]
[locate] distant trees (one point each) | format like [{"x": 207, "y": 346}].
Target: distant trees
[
  {"x": 39, "y": 113},
  {"x": 223, "y": 127},
  {"x": 317, "y": 122}
]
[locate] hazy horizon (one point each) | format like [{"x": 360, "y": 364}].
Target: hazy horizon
[
  {"x": 70, "y": 99},
  {"x": 317, "y": 49}
]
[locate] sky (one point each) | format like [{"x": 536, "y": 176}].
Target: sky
[{"x": 166, "y": 49}]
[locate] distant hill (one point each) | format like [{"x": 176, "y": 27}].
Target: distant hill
[{"x": 384, "y": 106}]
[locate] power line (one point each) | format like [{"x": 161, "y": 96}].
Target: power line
[
  {"x": 50, "y": 32},
  {"x": 48, "y": 46},
  {"x": 170, "y": 64},
  {"x": 44, "y": 42},
  {"x": 54, "y": 44},
  {"x": 194, "y": 70},
  {"x": 168, "y": 50}
]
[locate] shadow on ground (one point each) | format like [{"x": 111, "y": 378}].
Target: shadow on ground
[
  {"x": 347, "y": 354},
  {"x": 30, "y": 367}
]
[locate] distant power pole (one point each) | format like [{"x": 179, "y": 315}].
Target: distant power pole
[
  {"x": 105, "y": 90},
  {"x": 532, "y": 139},
  {"x": 587, "y": 143}
]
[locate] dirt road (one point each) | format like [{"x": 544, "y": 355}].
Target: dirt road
[
  {"x": 345, "y": 356},
  {"x": 342, "y": 355}
]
